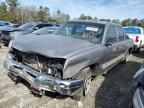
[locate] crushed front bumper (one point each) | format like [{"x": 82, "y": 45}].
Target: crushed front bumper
[{"x": 41, "y": 82}]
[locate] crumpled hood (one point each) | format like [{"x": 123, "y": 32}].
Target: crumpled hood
[{"x": 51, "y": 45}]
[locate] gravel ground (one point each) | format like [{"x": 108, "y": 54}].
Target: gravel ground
[{"x": 109, "y": 91}]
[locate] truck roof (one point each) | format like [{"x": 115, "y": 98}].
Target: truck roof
[{"x": 96, "y": 21}]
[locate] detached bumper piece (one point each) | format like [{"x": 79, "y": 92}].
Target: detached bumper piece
[{"x": 41, "y": 83}]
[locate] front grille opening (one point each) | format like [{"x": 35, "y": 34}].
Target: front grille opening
[{"x": 39, "y": 63}]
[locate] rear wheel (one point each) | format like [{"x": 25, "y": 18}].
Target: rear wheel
[
  {"x": 130, "y": 50},
  {"x": 125, "y": 58}
]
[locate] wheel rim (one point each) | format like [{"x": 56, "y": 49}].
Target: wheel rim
[{"x": 87, "y": 85}]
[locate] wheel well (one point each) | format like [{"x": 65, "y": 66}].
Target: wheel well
[
  {"x": 94, "y": 66},
  {"x": 84, "y": 70}
]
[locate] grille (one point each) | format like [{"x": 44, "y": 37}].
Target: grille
[{"x": 31, "y": 60}]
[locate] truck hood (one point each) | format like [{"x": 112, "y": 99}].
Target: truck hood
[{"x": 51, "y": 45}]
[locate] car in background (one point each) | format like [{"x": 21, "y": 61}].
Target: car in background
[
  {"x": 6, "y": 27},
  {"x": 45, "y": 30},
  {"x": 14, "y": 25},
  {"x": 11, "y": 33},
  {"x": 137, "y": 34},
  {"x": 138, "y": 88},
  {"x": 4, "y": 23}
]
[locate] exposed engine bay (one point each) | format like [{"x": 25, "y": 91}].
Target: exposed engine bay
[{"x": 44, "y": 65}]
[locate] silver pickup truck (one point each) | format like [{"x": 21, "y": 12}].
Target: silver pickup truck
[{"x": 65, "y": 61}]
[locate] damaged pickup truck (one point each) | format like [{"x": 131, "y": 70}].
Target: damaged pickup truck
[{"x": 65, "y": 61}]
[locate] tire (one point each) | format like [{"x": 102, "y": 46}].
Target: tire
[
  {"x": 125, "y": 57},
  {"x": 84, "y": 74},
  {"x": 87, "y": 83},
  {"x": 125, "y": 60},
  {"x": 130, "y": 51}
]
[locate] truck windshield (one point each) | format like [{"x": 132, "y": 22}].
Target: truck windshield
[
  {"x": 132, "y": 30},
  {"x": 92, "y": 32}
]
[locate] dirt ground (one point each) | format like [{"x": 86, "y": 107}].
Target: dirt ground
[{"x": 110, "y": 91}]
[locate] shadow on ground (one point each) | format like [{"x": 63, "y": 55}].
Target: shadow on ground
[
  {"x": 115, "y": 91},
  {"x": 140, "y": 54}
]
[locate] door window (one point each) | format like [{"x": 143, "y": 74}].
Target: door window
[
  {"x": 111, "y": 36},
  {"x": 120, "y": 33}
]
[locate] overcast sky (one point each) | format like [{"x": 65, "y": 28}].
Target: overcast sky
[{"x": 118, "y": 9}]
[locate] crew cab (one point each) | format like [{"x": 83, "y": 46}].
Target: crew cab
[
  {"x": 65, "y": 61},
  {"x": 137, "y": 34}
]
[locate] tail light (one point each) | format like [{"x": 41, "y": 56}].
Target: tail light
[{"x": 137, "y": 39}]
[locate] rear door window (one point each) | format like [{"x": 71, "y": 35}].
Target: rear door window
[
  {"x": 111, "y": 36},
  {"x": 120, "y": 33}
]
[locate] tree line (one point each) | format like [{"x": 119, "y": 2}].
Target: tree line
[
  {"x": 13, "y": 11},
  {"x": 125, "y": 22}
]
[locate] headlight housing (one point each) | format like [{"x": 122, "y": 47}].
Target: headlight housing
[{"x": 15, "y": 34}]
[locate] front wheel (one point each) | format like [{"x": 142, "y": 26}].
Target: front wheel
[
  {"x": 87, "y": 84},
  {"x": 85, "y": 74}
]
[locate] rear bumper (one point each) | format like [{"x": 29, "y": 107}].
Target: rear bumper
[{"x": 41, "y": 82}]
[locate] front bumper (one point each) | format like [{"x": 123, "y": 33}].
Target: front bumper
[
  {"x": 138, "y": 98},
  {"x": 40, "y": 82}
]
